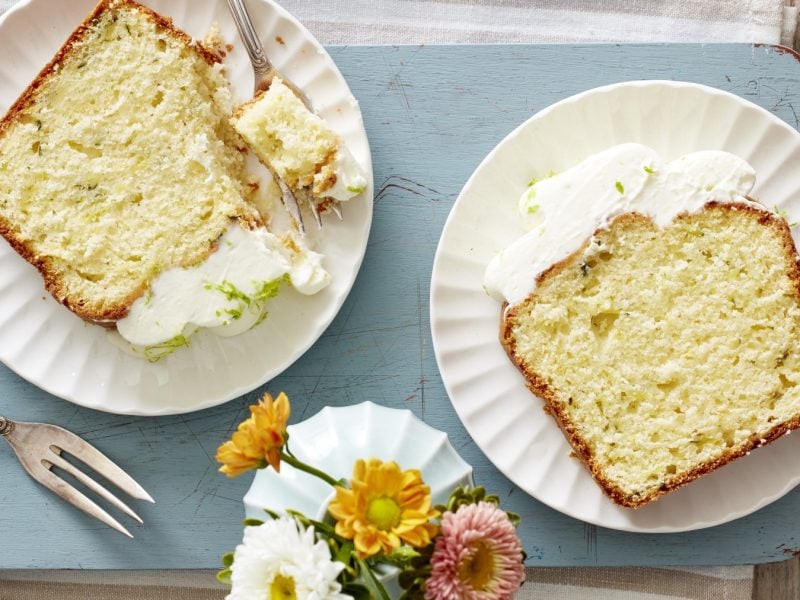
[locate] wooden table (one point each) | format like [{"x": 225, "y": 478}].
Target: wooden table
[{"x": 432, "y": 113}]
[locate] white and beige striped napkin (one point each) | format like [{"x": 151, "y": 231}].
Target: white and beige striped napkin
[
  {"x": 544, "y": 21},
  {"x": 722, "y": 583},
  {"x": 484, "y": 21}
]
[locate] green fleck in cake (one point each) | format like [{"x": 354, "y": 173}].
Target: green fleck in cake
[
  {"x": 666, "y": 353},
  {"x": 114, "y": 163}
]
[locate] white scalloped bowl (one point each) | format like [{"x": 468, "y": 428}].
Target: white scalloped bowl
[
  {"x": 52, "y": 348},
  {"x": 488, "y": 393},
  {"x": 334, "y": 438}
]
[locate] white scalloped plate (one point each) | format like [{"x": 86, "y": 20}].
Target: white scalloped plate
[
  {"x": 489, "y": 395},
  {"x": 52, "y": 348}
]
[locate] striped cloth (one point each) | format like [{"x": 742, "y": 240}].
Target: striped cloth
[
  {"x": 725, "y": 583},
  {"x": 551, "y": 21},
  {"x": 484, "y": 21}
]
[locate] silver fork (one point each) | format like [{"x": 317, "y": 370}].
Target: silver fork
[
  {"x": 38, "y": 447},
  {"x": 265, "y": 72}
]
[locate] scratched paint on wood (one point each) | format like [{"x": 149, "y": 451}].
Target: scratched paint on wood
[{"x": 432, "y": 113}]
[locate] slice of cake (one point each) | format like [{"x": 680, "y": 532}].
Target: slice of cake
[
  {"x": 666, "y": 353},
  {"x": 299, "y": 146},
  {"x": 660, "y": 330},
  {"x": 119, "y": 161}
]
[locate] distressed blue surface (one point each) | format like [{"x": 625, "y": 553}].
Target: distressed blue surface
[{"x": 432, "y": 113}]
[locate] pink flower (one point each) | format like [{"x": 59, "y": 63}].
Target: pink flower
[{"x": 477, "y": 556}]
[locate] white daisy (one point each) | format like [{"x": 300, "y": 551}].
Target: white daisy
[{"x": 280, "y": 560}]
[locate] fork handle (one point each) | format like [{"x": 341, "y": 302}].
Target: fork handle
[
  {"x": 6, "y": 426},
  {"x": 249, "y": 36}
]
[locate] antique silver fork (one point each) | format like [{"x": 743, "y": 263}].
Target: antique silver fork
[
  {"x": 264, "y": 73},
  {"x": 38, "y": 447}
]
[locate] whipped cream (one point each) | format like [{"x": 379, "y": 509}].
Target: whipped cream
[
  {"x": 226, "y": 293},
  {"x": 563, "y": 211},
  {"x": 350, "y": 177}
]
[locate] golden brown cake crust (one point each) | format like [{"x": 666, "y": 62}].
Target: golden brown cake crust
[
  {"x": 52, "y": 281},
  {"x": 553, "y": 407}
]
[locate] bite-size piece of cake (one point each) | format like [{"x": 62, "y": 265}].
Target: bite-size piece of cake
[{"x": 298, "y": 145}]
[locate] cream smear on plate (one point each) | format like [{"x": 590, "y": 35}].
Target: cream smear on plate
[
  {"x": 227, "y": 293},
  {"x": 350, "y": 178},
  {"x": 563, "y": 211}
]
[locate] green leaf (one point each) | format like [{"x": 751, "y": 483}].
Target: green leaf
[
  {"x": 402, "y": 557},
  {"x": 224, "y": 576},
  {"x": 227, "y": 559},
  {"x": 648, "y": 170},
  {"x": 328, "y": 530},
  {"x": 272, "y": 513},
  {"x": 252, "y": 522},
  {"x": 620, "y": 187},
  {"x": 345, "y": 553},
  {"x": 374, "y": 585},
  {"x": 357, "y": 590}
]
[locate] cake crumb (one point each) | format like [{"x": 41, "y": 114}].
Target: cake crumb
[
  {"x": 279, "y": 39},
  {"x": 214, "y": 42}
]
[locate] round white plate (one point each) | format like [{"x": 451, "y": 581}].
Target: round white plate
[
  {"x": 488, "y": 393},
  {"x": 49, "y": 346}
]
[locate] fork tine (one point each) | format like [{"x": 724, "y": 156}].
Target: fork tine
[
  {"x": 314, "y": 211},
  {"x": 98, "y": 461},
  {"x": 61, "y": 488},
  {"x": 337, "y": 209},
  {"x": 290, "y": 202},
  {"x": 58, "y": 461}
]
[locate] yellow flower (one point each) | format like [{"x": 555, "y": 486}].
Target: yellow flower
[
  {"x": 258, "y": 441},
  {"x": 384, "y": 507}
]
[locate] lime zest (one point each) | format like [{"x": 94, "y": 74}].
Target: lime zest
[
  {"x": 270, "y": 289},
  {"x": 156, "y": 352},
  {"x": 230, "y": 291},
  {"x": 784, "y": 215}
]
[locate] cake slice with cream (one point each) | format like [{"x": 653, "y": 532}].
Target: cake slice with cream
[
  {"x": 122, "y": 181},
  {"x": 656, "y": 311},
  {"x": 118, "y": 161}
]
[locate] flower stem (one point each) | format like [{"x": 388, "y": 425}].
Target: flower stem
[{"x": 301, "y": 466}]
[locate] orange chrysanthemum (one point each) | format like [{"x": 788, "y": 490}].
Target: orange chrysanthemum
[
  {"x": 258, "y": 441},
  {"x": 384, "y": 507}
]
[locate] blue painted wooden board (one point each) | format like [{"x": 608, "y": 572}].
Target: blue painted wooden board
[{"x": 432, "y": 114}]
